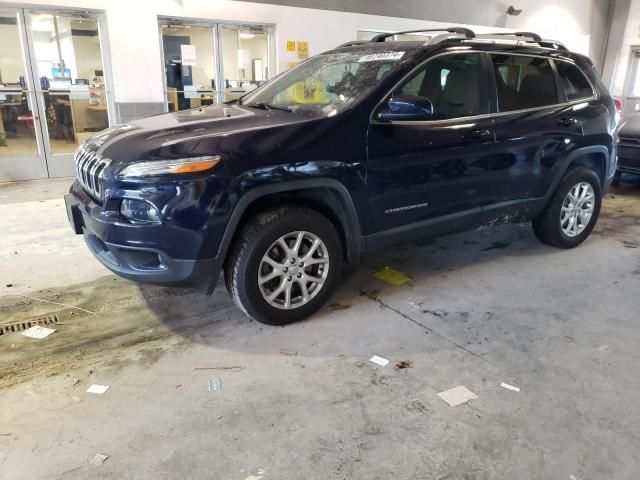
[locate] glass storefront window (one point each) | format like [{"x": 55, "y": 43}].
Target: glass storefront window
[
  {"x": 245, "y": 52},
  {"x": 71, "y": 78},
  {"x": 190, "y": 66},
  {"x": 17, "y": 128}
]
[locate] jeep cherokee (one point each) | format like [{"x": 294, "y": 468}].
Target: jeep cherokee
[{"x": 362, "y": 147}]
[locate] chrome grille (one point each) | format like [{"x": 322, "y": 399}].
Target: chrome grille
[{"x": 89, "y": 166}]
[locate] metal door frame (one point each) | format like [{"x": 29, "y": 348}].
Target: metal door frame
[
  {"x": 218, "y": 67},
  {"x": 50, "y": 162},
  {"x": 30, "y": 93}
]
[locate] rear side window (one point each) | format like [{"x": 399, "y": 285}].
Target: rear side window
[
  {"x": 573, "y": 81},
  {"x": 453, "y": 84},
  {"x": 524, "y": 82}
]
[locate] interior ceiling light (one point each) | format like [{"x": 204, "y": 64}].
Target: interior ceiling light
[
  {"x": 513, "y": 11},
  {"x": 246, "y": 35}
]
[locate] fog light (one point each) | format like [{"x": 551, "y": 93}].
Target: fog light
[{"x": 139, "y": 211}]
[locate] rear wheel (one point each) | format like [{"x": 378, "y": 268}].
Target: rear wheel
[
  {"x": 573, "y": 210},
  {"x": 284, "y": 265}
]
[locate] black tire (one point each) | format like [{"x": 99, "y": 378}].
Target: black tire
[
  {"x": 255, "y": 239},
  {"x": 547, "y": 226}
]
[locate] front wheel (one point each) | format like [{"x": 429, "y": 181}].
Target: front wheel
[
  {"x": 285, "y": 265},
  {"x": 573, "y": 210}
]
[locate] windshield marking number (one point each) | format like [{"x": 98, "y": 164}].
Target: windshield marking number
[{"x": 374, "y": 57}]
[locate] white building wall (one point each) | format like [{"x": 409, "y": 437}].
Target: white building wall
[
  {"x": 631, "y": 38},
  {"x": 135, "y": 46}
]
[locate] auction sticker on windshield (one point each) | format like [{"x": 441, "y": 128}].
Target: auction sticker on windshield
[{"x": 375, "y": 57}]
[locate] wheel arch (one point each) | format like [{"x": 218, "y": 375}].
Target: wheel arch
[
  {"x": 327, "y": 196},
  {"x": 595, "y": 157}
]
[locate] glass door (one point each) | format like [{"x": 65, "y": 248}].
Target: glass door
[
  {"x": 68, "y": 73},
  {"x": 189, "y": 53},
  {"x": 21, "y": 152},
  {"x": 206, "y": 63},
  {"x": 247, "y": 58}
]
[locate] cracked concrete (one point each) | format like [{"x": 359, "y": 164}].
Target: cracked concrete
[{"x": 307, "y": 403}]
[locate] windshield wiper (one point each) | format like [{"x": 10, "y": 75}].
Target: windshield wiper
[{"x": 269, "y": 106}]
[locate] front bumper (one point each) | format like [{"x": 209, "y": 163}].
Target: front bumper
[{"x": 133, "y": 251}]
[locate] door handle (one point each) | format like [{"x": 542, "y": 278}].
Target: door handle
[
  {"x": 477, "y": 134},
  {"x": 567, "y": 121}
]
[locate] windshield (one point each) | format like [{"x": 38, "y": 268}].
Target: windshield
[{"x": 325, "y": 84}]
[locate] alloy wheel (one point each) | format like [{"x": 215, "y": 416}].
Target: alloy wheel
[
  {"x": 577, "y": 209},
  {"x": 293, "y": 270}
]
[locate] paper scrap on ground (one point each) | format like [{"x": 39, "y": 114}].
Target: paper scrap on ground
[
  {"x": 392, "y": 276},
  {"x": 214, "y": 385},
  {"x": 98, "y": 389},
  {"x": 379, "y": 360},
  {"x": 509, "y": 387},
  {"x": 99, "y": 459},
  {"x": 38, "y": 332},
  {"x": 457, "y": 395}
]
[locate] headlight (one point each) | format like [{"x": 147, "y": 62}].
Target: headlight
[
  {"x": 139, "y": 212},
  {"x": 168, "y": 167}
]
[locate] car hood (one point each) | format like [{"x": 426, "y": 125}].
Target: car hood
[
  {"x": 188, "y": 132},
  {"x": 631, "y": 126}
]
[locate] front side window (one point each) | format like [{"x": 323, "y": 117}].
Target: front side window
[
  {"x": 326, "y": 84},
  {"x": 575, "y": 84},
  {"x": 524, "y": 82},
  {"x": 453, "y": 85}
]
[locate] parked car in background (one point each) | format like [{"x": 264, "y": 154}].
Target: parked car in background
[
  {"x": 629, "y": 145},
  {"x": 362, "y": 147}
]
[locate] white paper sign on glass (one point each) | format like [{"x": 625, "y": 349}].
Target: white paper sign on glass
[{"x": 188, "y": 53}]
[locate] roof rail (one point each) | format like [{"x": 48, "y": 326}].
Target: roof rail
[
  {"x": 526, "y": 37},
  {"x": 462, "y": 34},
  {"x": 463, "y": 31}
]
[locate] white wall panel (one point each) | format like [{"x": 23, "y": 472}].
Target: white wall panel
[{"x": 135, "y": 43}]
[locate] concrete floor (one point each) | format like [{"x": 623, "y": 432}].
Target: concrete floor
[{"x": 483, "y": 307}]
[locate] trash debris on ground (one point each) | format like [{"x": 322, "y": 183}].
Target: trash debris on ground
[
  {"x": 602, "y": 348},
  {"x": 38, "y": 332},
  {"x": 509, "y": 387},
  {"x": 436, "y": 313},
  {"x": 457, "y": 395},
  {"x": 98, "y": 459},
  {"x": 214, "y": 384},
  {"x": 291, "y": 353},
  {"x": 9, "y": 285},
  {"x": 630, "y": 244},
  {"x": 75, "y": 381},
  {"x": 383, "y": 362},
  {"x": 392, "y": 276},
  {"x": 403, "y": 364},
  {"x": 234, "y": 367},
  {"x": 97, "y": 389}
]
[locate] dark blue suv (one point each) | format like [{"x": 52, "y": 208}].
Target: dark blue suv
[{"x": 368, "y": 145}]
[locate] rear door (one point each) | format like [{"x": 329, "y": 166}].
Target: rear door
[
  {"x": 438, "y": 169},
  {"x": 535, "y": 126}
]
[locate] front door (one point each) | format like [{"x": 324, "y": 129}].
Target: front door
[
  {"x": 53, "y": 91},
  {"x": 422, "y": 173}
]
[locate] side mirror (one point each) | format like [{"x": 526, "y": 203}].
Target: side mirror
[{"x": 407, "y": 107}]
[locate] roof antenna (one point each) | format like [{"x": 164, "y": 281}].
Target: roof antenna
[{"x": 513, "y": 11}]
